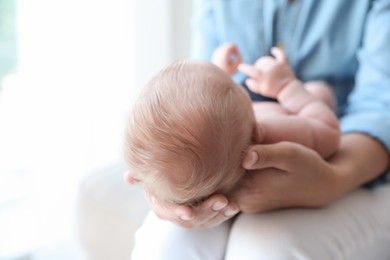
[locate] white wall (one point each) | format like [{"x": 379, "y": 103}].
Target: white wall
[
  {"x": 163, "y": 35},
  {"x": 82, "y": 62},
  {"x": 181, "y": 24}
]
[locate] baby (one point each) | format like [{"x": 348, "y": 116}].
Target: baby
[{"x": 192, "y": 124}]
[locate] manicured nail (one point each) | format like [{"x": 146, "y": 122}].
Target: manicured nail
[
  {"x": 250, "y": 159},
  {"x": 219, "y": 205},
  {"x": 230, "y": 212}
]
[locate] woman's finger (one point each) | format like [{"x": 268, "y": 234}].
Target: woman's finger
[
  {"x": 209, "y": 209},
  {"x": 215, "y": 213},
  {"x": 279, "y": 155}
]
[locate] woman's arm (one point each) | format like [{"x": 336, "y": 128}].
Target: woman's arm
[
  {"x": 289, "y": 175},
  {"x": 285, "y": 175},
  {"x": 369, "y": 102}
]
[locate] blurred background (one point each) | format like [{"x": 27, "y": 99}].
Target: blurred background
[{"x": 69, "y": 71}]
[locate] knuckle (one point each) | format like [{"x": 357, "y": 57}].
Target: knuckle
[
  {"x": 291, "y": 150},
  {"x": 288, "y": 147},
  {"x": 263, "y": 155}
]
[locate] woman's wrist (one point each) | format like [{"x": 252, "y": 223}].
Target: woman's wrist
[{"x": 359, "y": 160}]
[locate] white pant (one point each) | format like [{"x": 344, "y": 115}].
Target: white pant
[{"x": 355, "y": 227}]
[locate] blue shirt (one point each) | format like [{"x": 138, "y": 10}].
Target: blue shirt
[{"x": 344, "y": 42}]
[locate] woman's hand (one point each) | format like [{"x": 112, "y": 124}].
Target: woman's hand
[
  {"x": 284, "y": 175},
  {"x": 210, "y": 213},
  {"x": 281, "y": 175},
  {"x": 288, "y": 175}
]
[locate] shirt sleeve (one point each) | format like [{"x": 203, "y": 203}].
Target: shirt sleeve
[{"x": 368, "y": 109}]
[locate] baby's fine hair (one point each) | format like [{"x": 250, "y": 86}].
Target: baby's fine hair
[{"x": 187, "y": 133}]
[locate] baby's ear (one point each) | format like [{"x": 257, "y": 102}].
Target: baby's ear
[{"x": 129, "y": 179}]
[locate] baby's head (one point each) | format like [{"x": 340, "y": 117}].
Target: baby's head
[{"x": 188, "y": 132}]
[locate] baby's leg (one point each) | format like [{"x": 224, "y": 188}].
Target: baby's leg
[
  {"x": 159, "y": 239},
  {"x": 322, "y": 91},
  {"x": 357, "y": 227}
]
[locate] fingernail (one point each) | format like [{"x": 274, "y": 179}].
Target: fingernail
[
  {"x": 219, "y": 205},
  {"x": 250, "y": 159},
  {"x": 230, "y": 212},
  {"x": 186, "y": 217}
]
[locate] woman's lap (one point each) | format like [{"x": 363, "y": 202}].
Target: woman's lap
[
  {"x": 159, "y": 239},
  {"x": 355, "y": 227}
]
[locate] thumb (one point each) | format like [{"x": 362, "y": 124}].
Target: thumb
[{"x": 277, "y": 156}]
